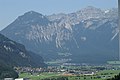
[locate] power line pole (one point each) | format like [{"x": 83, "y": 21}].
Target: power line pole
[{"x": 119, "y": 25}]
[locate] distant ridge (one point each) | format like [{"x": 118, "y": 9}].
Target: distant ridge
[{"x": 15, "y": 54}]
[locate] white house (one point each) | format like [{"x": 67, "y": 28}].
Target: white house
[
  {"x": 22, "y": 79},
  {"x": 8, "y": 78}
]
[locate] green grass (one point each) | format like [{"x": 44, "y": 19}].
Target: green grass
[
  {"x": 110, "y": 71},
  {"x": 114, "y": 62},
  {"x": 82, "y": 78},
  {"x": 38, "y": 76},
  {"x": 103, "y": 74}
]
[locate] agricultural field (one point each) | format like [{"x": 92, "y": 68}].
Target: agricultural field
[
  {"x": 37, "y": 76},
  {"x": 101, "y": 75},
  {"x": 114, "y": 62}
]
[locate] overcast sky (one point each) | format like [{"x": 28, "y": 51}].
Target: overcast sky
[{"x": 11, "y": 9}]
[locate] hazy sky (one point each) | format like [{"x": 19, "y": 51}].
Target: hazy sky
[{"x": 11, "y": 9}]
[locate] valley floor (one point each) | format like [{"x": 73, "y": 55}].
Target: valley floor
[{"x": 71, "y": 73}]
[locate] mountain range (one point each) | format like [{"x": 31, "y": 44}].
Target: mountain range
[{"x": 89, "y": 35}]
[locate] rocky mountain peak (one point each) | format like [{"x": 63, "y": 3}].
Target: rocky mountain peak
[
  {"x": 33, "y": 14},
  {"x": 90, "y": 8},
  {"x": 32, "y": 17},
  {"x": 76, "y": 33}
]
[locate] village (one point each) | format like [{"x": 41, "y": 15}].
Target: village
[{"x": 68, "y": 70}]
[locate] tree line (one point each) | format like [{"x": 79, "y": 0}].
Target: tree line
[
  {"x": 59, "y": 78},
  {"x": 116, "y": 77}
]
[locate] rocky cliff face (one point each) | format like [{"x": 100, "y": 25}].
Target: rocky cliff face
[{"x": 88, "y": 35}]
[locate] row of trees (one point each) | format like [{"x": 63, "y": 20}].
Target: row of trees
[
  {"x": 7, "y": 72},
  {"x": 117, "y": 77},
  {"x": 59, "y": 78}
]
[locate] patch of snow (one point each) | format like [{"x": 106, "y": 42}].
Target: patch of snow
[
  {"x": 107, "y": 11},
  {"x": 8, "y": 48},
  {"x": 83, "y": 38},
  {"x": 76, "y": 43},
  {"x": 68, "y": 26},
  {"x": 22, "y": 54},
  {"x": 115, "y": 35}
]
